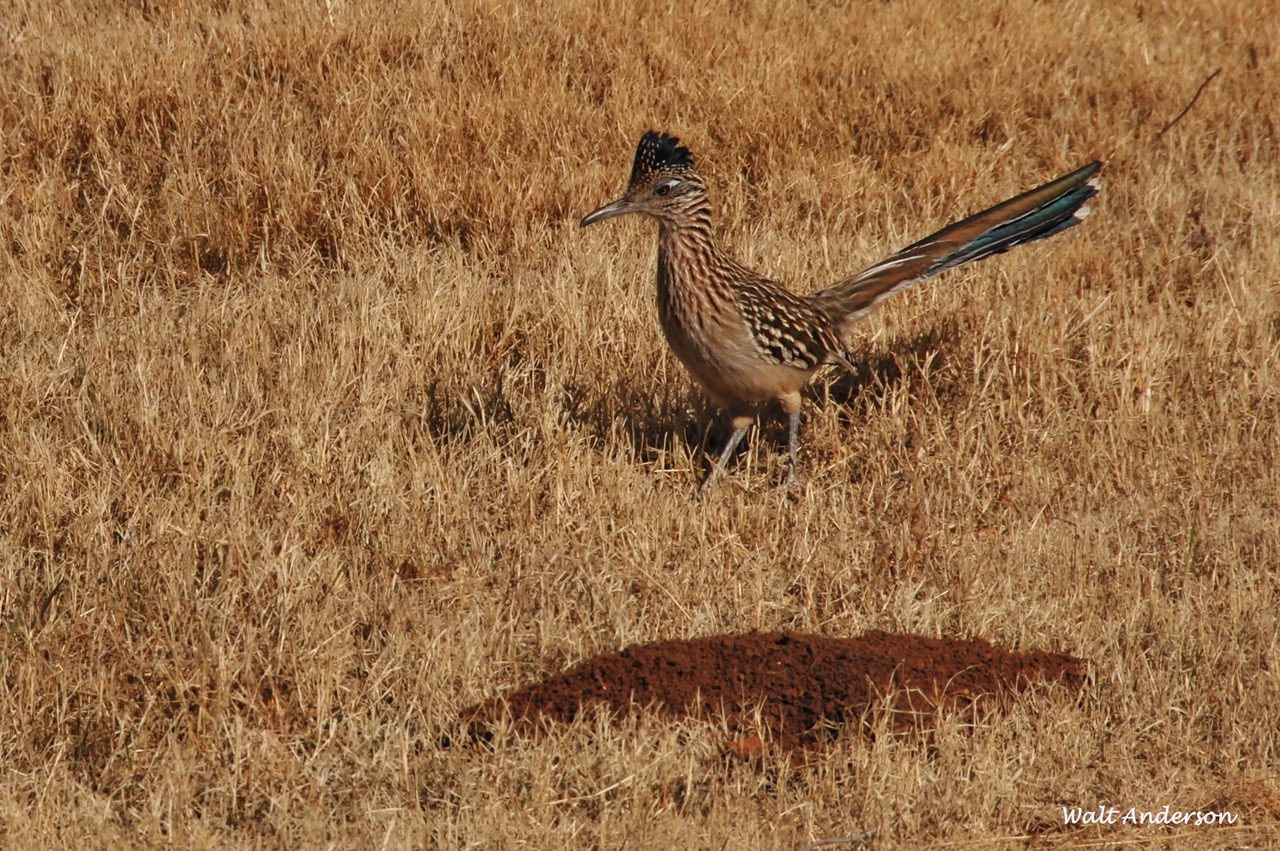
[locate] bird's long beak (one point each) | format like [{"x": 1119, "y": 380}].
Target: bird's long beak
[{"x": 608, "y": 211}]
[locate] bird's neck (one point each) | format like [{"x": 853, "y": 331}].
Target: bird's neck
[{"x": 685, "y": 238}]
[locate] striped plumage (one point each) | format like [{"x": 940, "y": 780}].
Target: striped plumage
[{"x": 749, "y": 340}]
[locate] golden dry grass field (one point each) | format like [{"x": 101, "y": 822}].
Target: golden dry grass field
[{"x": 322, "y": 420}]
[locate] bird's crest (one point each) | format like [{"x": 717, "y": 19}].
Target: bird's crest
[{"x": 659, "y": 152}]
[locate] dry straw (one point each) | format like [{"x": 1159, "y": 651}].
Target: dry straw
[{"x": 320, "y": 420}]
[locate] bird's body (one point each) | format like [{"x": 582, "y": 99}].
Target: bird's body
[
  {"x": 748, "y": 340},
  {"x": 717, "y": 323}
]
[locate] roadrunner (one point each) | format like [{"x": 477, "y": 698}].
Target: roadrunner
[{"x": 748, "y": 340}]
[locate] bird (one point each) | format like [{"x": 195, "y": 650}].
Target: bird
[{"x": 748, "y": 340}]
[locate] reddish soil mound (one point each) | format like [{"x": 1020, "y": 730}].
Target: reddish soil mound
[{"x": 804, "y": 686}]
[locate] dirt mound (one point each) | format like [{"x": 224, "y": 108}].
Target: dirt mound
[{"x": 804, "y": 686}]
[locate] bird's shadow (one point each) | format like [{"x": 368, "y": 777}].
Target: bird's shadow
[
  {"x": 879, "y": 372},
  {"x": 673, "y": 421},
  {"x": 690, "y": 424}
]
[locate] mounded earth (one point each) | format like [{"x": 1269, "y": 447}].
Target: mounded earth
[{"x": 801, "y": 688}]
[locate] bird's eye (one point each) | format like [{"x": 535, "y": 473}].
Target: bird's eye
[{"x": 664, "y": 188}]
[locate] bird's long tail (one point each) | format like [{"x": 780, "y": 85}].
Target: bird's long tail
[{"x": 1033, "y": 215}]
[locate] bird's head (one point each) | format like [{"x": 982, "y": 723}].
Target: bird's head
[{"x": 663, "y": 182}]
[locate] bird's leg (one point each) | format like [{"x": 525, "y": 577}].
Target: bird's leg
[
  {"x": 740, "y": 426},
  {"x": 793, "y": 432},
  {"x": 791, "y": 404}
]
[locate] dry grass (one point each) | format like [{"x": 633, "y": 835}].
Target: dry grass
[{"x": 321, "y": 420}]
